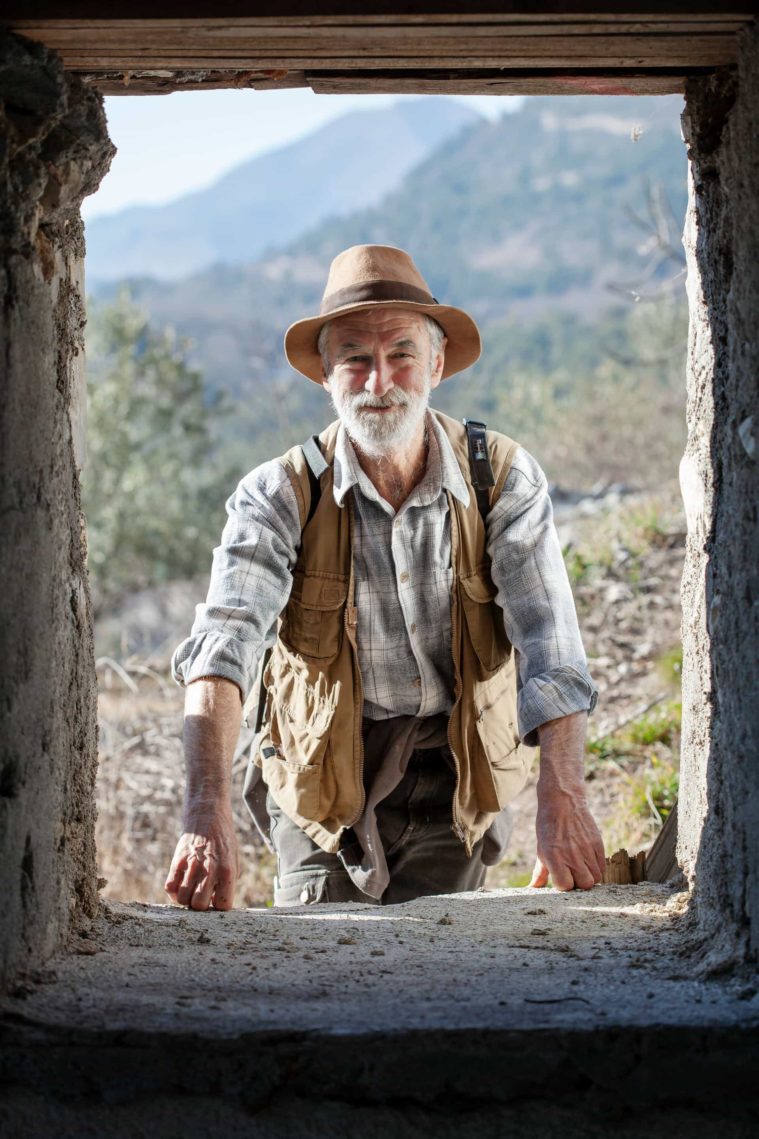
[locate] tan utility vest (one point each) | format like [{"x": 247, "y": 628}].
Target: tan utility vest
[{"x": 310, "y": 749}]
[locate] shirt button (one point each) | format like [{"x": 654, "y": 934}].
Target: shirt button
[
  {"x": 418, "y": 682},
  {"x": 404, "y": 576}
]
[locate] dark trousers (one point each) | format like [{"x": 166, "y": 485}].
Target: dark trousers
[{"x": 423, "y": 854}]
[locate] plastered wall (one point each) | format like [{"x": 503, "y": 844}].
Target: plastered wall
[
  {"x": 719, "y": 804},
  {"x": 55, "y": 151}
]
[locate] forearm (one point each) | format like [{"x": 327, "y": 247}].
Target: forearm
[
  {"x": 204, "y": 868},
  {"x": 562, "y": 756},
  {"x": 570, "y": 847},
  {"x": 213, "y": 712}
]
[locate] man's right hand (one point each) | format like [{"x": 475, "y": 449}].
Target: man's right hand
[{"x": 204, "y": 869}]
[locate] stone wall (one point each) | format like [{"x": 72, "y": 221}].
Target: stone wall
[
  {"x": 54, "y": 151},
  {"x": 719, "y": 806}
]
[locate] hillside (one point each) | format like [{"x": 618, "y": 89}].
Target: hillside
[
  {"x": 274, "y": 198},
  {"x": 517, "y": 218},
  {"x": 545, "y": 224}
]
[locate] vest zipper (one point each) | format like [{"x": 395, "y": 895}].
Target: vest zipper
[
  {"x": 351, "y": 621},
  {"x": 457, "y": 825},
  {"x": 358, "y": 735}
]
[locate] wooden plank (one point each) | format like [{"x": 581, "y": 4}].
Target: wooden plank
[
  {"x": 382, "y": 10},
  {"x": 661, "y": 862},
  {"x": 493, "y": 51},
  {"x": 147, "y": 84},
  {"x": 559, "y": 60},
  {"x": 351, "y": 42},
  {"x": 135, "y": 32},
  {"x": 519, "y": 84},
  {"x": 138, "y": 83}
]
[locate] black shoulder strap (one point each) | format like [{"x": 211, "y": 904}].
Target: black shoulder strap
[{"x": 479, "y": 464}]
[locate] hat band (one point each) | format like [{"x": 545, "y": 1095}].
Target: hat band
[{"x": 375, "y": 291}]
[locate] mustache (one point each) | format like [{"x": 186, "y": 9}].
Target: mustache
[{"x": 395, "y": 398}]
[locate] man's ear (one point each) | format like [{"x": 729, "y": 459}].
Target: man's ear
[
  {"x": 436, "y": 371},
  {"x": 325, "y": 382}
]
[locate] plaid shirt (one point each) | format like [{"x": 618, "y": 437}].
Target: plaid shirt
[{"x": 403, "y": 587}]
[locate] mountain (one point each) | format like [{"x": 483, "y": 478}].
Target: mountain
[
  {"x": 533, "y": 209},
  {"x": 541, "y": 212},
  {"x": 274, "y": 198}
]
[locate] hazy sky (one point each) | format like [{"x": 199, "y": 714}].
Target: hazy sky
[{"x": 169, "y": 144}]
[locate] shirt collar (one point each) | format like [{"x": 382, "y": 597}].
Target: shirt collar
[{"x": 443, "y": 471}]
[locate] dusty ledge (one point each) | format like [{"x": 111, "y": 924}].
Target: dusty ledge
[
  {"x": 508, "y": 960},
  {"x": 494, "y": 997}
]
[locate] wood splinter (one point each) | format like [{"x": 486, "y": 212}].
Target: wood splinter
[{"x": 623, "y": 869}]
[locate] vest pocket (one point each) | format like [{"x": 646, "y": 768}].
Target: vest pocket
[
  {"x": 495, "y": 712},
  {"x": 484, "y": 620},
  {"x": 294, "y": 745},
  {"x": 312, "y": 623}
]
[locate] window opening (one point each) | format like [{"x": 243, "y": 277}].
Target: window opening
[{"x": 583, "y": 364}]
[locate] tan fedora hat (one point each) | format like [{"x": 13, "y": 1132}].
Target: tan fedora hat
[{"x": 371, "y": 276}]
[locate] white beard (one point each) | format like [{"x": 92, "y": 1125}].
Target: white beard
[{"x": 377, "y": 435}]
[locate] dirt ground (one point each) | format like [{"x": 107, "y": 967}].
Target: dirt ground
[{"x": 624, "y": 555}]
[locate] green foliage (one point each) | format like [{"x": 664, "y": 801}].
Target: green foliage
[
  {"x": 661, "y": 725},
  {"x": 653, "y": 788},
  {"x": 645, "y": 753},
  {"x": 515, "y": 882},
  {"x": 596, "y": 402},
  {"x": 155, "y": 484}
]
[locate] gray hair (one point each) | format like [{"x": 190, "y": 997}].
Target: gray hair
[{"x": 435, "y": 331}]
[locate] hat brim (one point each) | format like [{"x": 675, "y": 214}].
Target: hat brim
[{"x": 463, "y": 346}]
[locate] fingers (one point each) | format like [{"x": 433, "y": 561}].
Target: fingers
[
  {"x": 204, "y": 868},
  {"x": 562, "y": 877},
  {"x": 205, "y": 880},
  {"x": 192, "y": 882},
  {"x": 584, "y": 878},
  {"x": 539, "y": 875},
  {"x": 198, "y": 880},
  {"x": 224, "y": 894},
  {"x": 565, "y": 877},
  {"x": 175, "y": 876}
]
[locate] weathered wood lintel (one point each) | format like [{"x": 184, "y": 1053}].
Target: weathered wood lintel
[
  {"x": 512, "y": 83},
  {"x": 400, "y": 11},
  {"x": 157, "y": 82}
]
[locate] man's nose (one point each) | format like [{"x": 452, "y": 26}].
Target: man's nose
[{"x": 380, "y": 378}]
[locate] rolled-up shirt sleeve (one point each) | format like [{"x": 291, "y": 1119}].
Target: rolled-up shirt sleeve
[
  {"x": 528, "y": 571},
  {"x": 251, "y": 579}
]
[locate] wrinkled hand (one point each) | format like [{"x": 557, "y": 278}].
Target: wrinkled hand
[
  {"x": 203, "y": 871},
  {"x": 570, "y": 847}
]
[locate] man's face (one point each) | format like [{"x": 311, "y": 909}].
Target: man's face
[{"x": 381, "y": 375}]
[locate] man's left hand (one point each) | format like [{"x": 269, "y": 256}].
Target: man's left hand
[{"x": 570, "y": 847}]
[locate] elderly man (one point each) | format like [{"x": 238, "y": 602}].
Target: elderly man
[{"x": 407, "y": 573}]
